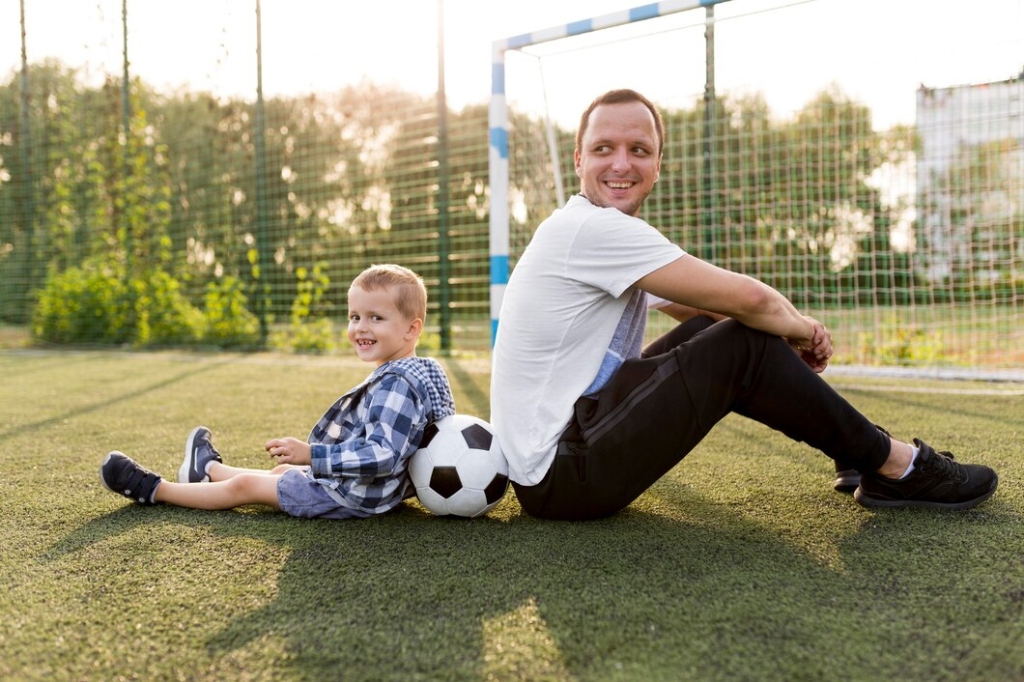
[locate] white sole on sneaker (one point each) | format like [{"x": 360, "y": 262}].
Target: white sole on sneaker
[
  {"x": 103, "y": 465},
  {"x": 184, "y": 471}
]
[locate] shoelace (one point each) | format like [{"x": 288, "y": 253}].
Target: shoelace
[{"x": 944, "y": 465}]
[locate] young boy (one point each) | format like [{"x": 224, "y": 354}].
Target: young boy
[{"x": 354, "y": 463}]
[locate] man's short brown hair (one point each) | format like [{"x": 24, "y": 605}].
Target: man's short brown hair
[{"x": 622, "y": 96}]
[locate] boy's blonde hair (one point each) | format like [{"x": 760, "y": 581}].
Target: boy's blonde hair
[{"x": 410, "y": 292}]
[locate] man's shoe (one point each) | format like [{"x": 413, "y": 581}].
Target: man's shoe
[
  {"x": 120, "y": 474},
  {"x": 847, "y": 478},
  {"x": 937, "y": 481},
  {"x": 199, "y": 452}
]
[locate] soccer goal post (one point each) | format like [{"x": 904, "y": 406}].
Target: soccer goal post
[
  {"x": 499, "y": 126},
  {"x": 903, "y": 231}
]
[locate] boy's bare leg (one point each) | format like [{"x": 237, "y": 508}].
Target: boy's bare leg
[
  {"x": 238, "y": 490},
  {"x": 218, "y": 471}
]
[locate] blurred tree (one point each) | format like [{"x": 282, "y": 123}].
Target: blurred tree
[{"x": 352, "y": 178}]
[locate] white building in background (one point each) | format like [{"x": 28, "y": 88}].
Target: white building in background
[{"x": 970, "y": 181}]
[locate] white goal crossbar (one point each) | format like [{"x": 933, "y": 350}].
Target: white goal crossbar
[{"x": 499, "y": 127}]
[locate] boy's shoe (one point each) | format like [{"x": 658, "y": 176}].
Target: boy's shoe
[
  {"x": 199, "y": 452},
  {"x": 847, "y": 478},
  {"x": 120, "y": 474},
  {"x": 937, "y": 481}
]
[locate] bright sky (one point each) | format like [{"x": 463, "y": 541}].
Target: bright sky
[{"x": 878, "y": 51}]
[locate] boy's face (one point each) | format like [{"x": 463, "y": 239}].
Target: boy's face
[{"x": 377, "y": 330}]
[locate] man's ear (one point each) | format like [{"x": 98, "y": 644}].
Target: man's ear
[{"x": 576, "y": 160}]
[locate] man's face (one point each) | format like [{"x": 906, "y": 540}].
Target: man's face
[{"x": 618, "y": 160}]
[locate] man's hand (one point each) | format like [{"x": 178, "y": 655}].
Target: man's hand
[
  {"x": 289, "y": 450},
  {"x": 817, "y": 351}
]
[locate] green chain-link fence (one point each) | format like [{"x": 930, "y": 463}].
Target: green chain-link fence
[{"x": 146, "y": 213}]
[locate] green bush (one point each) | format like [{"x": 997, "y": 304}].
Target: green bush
[
  {"x": 95, "y": 304},
  {"x": 83, "y": 305},
  {"x": 898, "y": 344},
  {"x": 228, "y": 322},
  {"x": 311, "y": 330},
  {"x": 312, "y": 336},
  {"x": 164, "y": 317}
]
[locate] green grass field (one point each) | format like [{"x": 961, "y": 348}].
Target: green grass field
[{"x": 742, "y": 564}]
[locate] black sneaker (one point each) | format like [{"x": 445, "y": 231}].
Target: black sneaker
[
  {"x": 199, "y": 452},
  {"x": 120, "y": 474},
  {"x": 847, "y": 478},
  {"x": 937, "y": 481}
]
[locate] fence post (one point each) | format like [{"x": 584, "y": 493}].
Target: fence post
[
  {"x": 260, "y": 162},
  {"x": 443, "y": 247},
  {"x": 21, "y": 305}
]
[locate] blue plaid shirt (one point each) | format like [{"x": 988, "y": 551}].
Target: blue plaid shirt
[{"x": 360, "y": 448}]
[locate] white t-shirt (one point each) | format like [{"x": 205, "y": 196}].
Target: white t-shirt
[{"x": 569, "y": 317}]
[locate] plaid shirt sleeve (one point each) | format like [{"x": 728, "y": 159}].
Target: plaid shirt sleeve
[{"x": 391, "y": 419}]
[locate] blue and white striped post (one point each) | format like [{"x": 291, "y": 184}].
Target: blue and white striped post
[{"x": 498, "y": 123}]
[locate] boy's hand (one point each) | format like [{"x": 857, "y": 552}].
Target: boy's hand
[{"x": 289, "y": 450}]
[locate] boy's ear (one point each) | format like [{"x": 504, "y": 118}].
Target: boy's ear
[{"x": 415, "y": 328}]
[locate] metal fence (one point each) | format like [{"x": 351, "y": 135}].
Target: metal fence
[{"x": 191, "y": 175}]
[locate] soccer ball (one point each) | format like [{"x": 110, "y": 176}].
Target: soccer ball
[{"x": 459, "y": 469}]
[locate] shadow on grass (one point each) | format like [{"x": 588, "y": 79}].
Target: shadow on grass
[
  {"x": 903, "y": 401},
  {"x": 684, "y": 589},
  {"x": 13, "y": 363},
  {"x": 474, "y": 386},
  {"x": 126, "y": 397}
]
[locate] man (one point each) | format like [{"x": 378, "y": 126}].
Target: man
[{"x": 588, "y": 422}]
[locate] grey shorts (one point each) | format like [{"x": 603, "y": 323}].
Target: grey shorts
[{"x": 304, "y": 497}]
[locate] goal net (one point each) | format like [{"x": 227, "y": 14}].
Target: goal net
[{"x": 880, "y": 194}]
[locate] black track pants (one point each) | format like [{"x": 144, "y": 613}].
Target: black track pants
[{"x": 658, "y": 407}]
